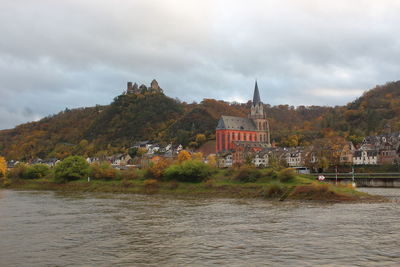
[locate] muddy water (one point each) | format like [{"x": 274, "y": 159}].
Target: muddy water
[{"x": 54, "y": 229}]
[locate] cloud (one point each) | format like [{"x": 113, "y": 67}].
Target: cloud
[{"x": 57, "y": 54}]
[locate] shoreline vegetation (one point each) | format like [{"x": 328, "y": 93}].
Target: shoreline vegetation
[{"x": 186, "y": 177}]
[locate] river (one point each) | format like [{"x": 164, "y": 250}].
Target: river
[{"x": 42, "y": 228}]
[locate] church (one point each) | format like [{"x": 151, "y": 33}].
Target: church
[{"x": 252, "y": 131}]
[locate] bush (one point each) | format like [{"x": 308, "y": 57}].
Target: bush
[
  {"x": 103, "y": 171},
  {"x": 271, "y": 173},
  {"x": 193, "y": 171},
  {"x": 71, "y": 168},
  {"x": 248, "y": 175},
  {"x": 129, "y": 174},
  {"x": 36, "y": 171},
  {"x": 229, "y": 172},
  {"x": 275, "y": 190},
  {"x": 157, "y": 168},
  {"x": 18, "y": 171},
  {"x": 286, "y": 175}
]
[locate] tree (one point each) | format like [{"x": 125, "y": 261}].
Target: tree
[
  {"x": 141, "y": 151},
  {"x": 211, "y": 160},
  {"x": 200, "y": 139},
  {"x": 3, "y": 167},
  {"x": 71, "y": 168},
  {"x": 103, "y": 171},
  {"x": 133, "y": 151},
  {"x": 192, "y": 171},
  {"x": 323, "y": 163},
  {"x": 158, "y": 166},
  {"x": 36, "y": 171},
  {"x": 183, "y": 156},
  {"x": 198, "y": 156}
]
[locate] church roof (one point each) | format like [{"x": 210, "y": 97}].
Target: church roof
[
  {"x": 256, "y": 95},
  {"x": 236, "y": 123}
]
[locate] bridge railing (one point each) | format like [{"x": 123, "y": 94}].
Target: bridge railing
[{"x": 358, "y": 175}]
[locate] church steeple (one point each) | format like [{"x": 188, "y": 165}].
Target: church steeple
[{"x": 256, "y": 95}]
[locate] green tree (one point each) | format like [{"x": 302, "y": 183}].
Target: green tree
[
  {"x": 192, "y": 171},
  {"x": 71, "y": 168},
  {"x": 36, "y": 171}
]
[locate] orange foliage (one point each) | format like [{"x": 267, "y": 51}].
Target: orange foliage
[
  {"x": 3, "y": 167},
  {"x": 183, "y": 155},
  {"x": 158, "y": 166}
]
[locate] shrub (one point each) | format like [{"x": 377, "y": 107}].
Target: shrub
[
  {"x": 150, "y": 182},
  {"x": 157, "y": 168},
  {"x": 271, "y": 173},
  {"x": 248, "y": 175},
  {"x": 286, "y": 175},
  {"x": 129, "y": 174},
  {"x": 229, "y": 172},
  {"x": 36, "y": 171},
  {"x": 275, "y": 190},
  {"x": 71, "y": 168},
  {"x": 188, "y": 171},
  {"x": 18, "y": 171},
  {"x": 103, "y": 171}
]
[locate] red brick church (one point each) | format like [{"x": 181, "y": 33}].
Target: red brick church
[{"x": 252, "y": 131}]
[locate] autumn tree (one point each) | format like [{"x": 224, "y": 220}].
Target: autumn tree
[
  {"x": 183, "y": 156},
  {"x": 200, "y": 139},
  {"x": 211, "y": 160},
  {"x": 157, "y": 167},
  {"x": 197, "y": 156},
  {"x": 3, "y": 167}
]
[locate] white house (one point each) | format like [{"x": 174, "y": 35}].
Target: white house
[
  {"x": 225, "y": 161},
  {"x": 261, "y": 159},
  {"x": 365, "y": 157}
]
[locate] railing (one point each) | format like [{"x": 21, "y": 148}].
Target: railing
[{"x": 358, "y": 175}]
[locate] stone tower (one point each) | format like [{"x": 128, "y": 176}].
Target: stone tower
[{"x": 259, "y": 117}]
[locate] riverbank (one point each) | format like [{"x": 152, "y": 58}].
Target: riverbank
[{"x": 301, "y": 188}]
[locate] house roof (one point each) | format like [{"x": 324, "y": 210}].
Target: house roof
[
  {"x": 236, "y": 123},
  {"x": 256, "y": 96}
]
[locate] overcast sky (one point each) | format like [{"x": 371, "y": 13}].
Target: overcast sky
[{"x": 74, "y": 53}]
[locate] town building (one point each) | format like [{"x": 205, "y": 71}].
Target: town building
[{"x": 253, "y": 129}]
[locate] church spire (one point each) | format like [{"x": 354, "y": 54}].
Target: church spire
[{"x": 256, "y": 96}]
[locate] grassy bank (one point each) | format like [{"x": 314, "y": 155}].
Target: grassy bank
[{"x": 221, "y": 184}]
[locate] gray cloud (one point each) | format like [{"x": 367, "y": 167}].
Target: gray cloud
[{"x": 57, "y": 54}]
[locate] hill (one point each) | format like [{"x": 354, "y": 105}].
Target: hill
[{"x": 151, "y": 115}]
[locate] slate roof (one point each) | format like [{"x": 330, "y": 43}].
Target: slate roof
[
  {"x": 236, "y": 123},
  {"x": 256, "y": 96}
]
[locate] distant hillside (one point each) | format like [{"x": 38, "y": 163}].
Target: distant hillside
[{"x": 150, "y": 115}]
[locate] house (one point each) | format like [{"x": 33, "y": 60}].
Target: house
[
  {"x": 365, "y": 157},
  {"x": 243, "y": 150},
  {"x": 225, "y": 161},
  {"x": 389, "y": 153},
  {"x": 294, "y": 157},
  {"x": 11, "y": 164},
  {"x": 261, "y": 158},
  {"x": 51, "y": 162},
  {"x": 347, "y": 152}
]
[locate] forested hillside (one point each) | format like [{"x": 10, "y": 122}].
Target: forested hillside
[{"x": 103, "y": 130}]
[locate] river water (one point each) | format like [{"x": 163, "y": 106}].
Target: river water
[{"x": 80, "y": 229}]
